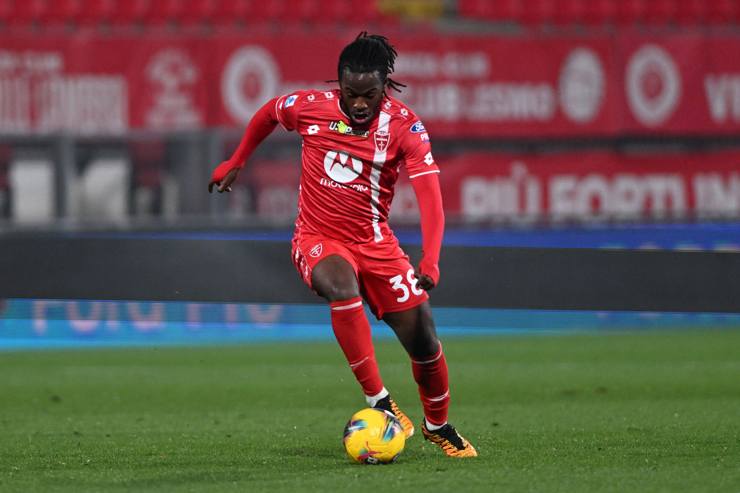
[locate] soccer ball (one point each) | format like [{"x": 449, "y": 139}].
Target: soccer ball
[{"x": 373, "y": 436}]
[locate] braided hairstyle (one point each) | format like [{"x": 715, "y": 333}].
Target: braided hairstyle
[{"x": 370, "y": 53}]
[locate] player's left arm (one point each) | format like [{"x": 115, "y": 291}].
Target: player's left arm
[
  {"x": 429, "y": 197},
  {"x": 424, "y": 175}
]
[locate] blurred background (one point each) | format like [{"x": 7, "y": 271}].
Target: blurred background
[{"x": 552, "y": 119}]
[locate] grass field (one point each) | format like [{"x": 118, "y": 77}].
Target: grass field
[{"x": 656, "y": 411}]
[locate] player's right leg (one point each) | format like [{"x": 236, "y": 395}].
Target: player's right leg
[
  {"x": 330, "y": 271},
  {"x": 334, "y": 279}
]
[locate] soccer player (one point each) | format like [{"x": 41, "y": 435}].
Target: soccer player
[{"x": 354, "y": 140}]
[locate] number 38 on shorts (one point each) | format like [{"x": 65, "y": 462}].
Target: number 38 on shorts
[{"x": 405, "y": 288}]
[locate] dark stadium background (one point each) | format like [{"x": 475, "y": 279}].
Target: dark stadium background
[{"x": 558, "y": 123}]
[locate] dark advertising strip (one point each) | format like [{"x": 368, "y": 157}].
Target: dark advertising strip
[{"x": 262, "y": 272}]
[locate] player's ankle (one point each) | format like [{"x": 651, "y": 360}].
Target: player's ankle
[
  {"x": 431, "y": 426},
  {"x": 372, "y": 400}
]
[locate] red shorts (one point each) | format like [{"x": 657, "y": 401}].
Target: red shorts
[{"x": 383, "y": 270}]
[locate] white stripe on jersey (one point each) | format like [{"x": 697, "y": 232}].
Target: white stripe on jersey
[{"x": 384, "y": 120}]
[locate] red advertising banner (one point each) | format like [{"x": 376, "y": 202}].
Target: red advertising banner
[
  {"x": 564, "y": 186},
  {"x": 595, "y": 185},
  {"x": 687, "y": 84},
  {"x": 462, "y": 86},
  {"x": 90, "y": 85}
]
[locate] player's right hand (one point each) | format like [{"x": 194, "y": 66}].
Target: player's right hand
[{"x": 222, "y": 177}]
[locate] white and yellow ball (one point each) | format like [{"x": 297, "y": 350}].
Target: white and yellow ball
[{"x": 373, "y": 436}]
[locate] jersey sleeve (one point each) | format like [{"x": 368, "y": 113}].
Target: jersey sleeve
[
  {"x": 417, "y": 150},
  {"x": 288, "y": 108}
]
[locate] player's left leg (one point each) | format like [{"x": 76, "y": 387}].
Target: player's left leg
[{"x": 415, "y": 329}]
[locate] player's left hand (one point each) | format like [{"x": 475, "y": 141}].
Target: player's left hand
[
  {"x": 427, "y": 274},
  {"x": 425, "y": 282}
]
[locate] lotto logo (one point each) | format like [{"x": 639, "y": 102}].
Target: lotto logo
[
  {"x": 313, "y": 130},
  {"x": 329, "y": 95},
  {"x": 429, "y": 159}
]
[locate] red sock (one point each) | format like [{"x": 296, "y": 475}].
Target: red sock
[
  {"x": 352, "y": 331},
  {"x": 431, "y": 375}
]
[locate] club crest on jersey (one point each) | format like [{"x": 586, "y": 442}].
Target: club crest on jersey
[
  {"x": 417, "y": 128},
  {"x": 344, "y": 129},
  {"x": 316, "y": 250},
  {"x": 382, "y": 137}
]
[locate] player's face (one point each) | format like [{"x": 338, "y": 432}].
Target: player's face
[{"x": 361, "y": 96}]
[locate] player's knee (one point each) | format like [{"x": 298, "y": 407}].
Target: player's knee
[
  {"x": 425, "y": 346},
  {"x": 339, "y": 292}
]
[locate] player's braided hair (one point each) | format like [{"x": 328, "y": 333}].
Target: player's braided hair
[{"x": 368, "y": 53}]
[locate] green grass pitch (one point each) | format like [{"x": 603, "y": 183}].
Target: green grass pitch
[{"x": 654, "y": 411}]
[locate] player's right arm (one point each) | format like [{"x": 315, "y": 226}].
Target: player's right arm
[{"x": 283, "y": 110}]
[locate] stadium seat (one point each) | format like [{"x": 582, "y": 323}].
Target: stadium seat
[
  {"x": 722, "y": 12},
  {"x": 103, "y": 189},
  {"x": 499, "y": 10},
  {"x": 474, "y": 8},
  {"x": 536, "y": 13},
  {"x": 660, "y": 12},
  {"x": 97, "y": 12},
  {"x": 691, "y": 12},
  {"x": 164, "y": 13},
  {"x": 62, "y": 12},
  {"x": 25, "y": 13},
  {"x": 339, "y": 12},
  {"x": 231, "y": 12},
  {"x": 509, "y": 10},
  {"x": 312, "y": 11},
  {"x": 199, "y": 12},
  {"x": 131, "y": 13},
  {"x": 568, "y": 12},
  {"x": 6, "y": 12},
  {"x": 147, "y": 158},
  {"x": 600, "y": 12},
  {"x": 630, "y": 12},
  {"x": 261, "y": 11},
  {"x": 33, "y": 191}
]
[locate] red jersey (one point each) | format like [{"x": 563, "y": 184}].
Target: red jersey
[{"x": 348, "y": 175}]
